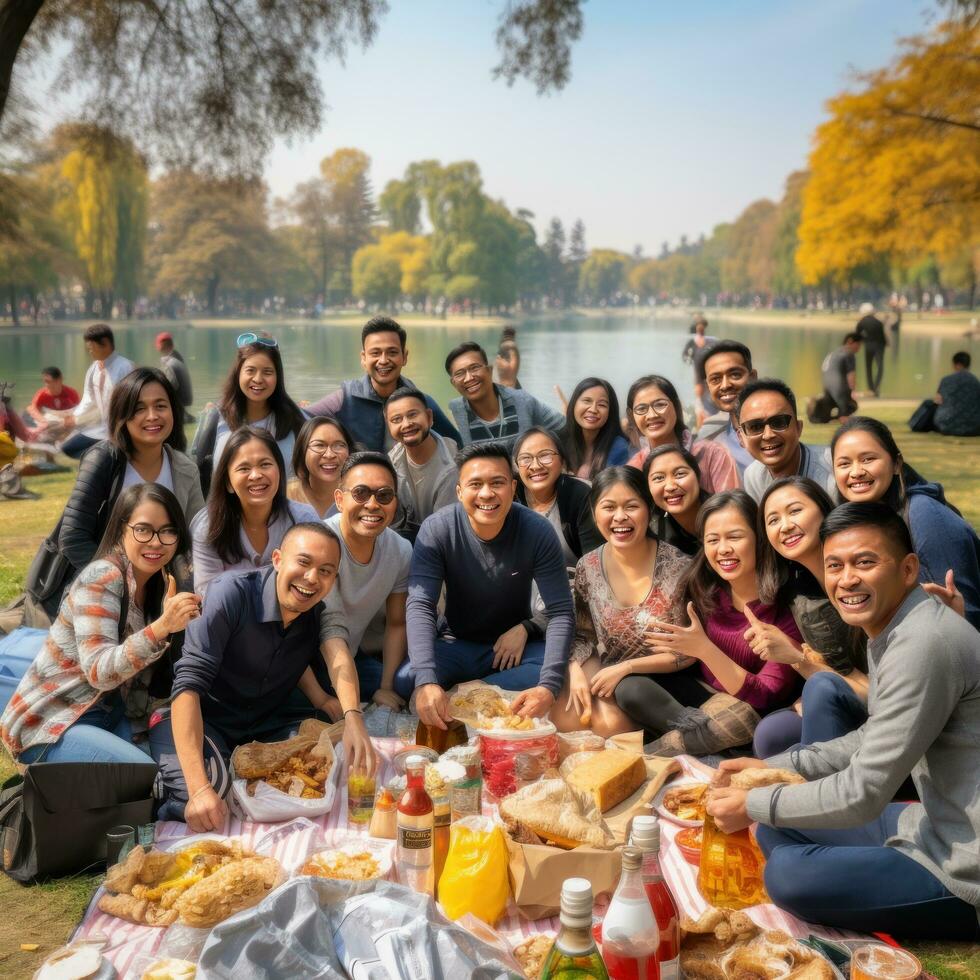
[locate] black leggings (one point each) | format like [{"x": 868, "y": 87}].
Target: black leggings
[{"x": 657, "y": 701}]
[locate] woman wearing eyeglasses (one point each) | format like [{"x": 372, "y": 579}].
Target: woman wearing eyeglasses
[
  {"x": 254, "y": 394},
  {"x": 655, "y": 414},
  {"x": 86, "y": 692},
  {"x": 144, "y": 445},
  {"x": 321, "y": 449},
  {"x": 248, "y": 513}
]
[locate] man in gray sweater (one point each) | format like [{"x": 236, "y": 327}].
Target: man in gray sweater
[{"x": 839, "y": 851}]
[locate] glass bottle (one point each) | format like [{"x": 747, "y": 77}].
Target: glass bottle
[
  {"x": 630, "y": 937},
  {"x": 466, "y": 794},
  {"x": 646, "y": 836},
  {"x": 440, "y": 835},
  {"x": 415, "y": 829},
  {"x": 360, "y": 796},
  {"x": 730, "y": 873},
  {"x": 574, "y": 955}
]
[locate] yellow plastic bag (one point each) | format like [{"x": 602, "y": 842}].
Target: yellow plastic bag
[{"x": 475, "y": 876}]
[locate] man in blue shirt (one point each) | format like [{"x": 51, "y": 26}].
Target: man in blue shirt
[
  {"x": 359, "y": 403},
  {"x": 254, "y": 643},
  {"x": 486, "y": 550}
]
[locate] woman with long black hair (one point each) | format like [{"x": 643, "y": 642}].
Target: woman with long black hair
[
  {"x": 87, "y": 690},
  {"x": 674, "y": 478},
  {"x": 593, "y": 437}
]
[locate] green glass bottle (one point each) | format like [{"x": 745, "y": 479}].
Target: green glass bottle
[{"x": 574, "y": 955}]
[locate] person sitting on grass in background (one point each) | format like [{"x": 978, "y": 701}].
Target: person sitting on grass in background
[
  {"x": 359, "y": 403},
  {"x": 593, "y": 437},
  {"x": 254, "y": 395},
  {"x": 958, "y": 399},
  {"x": 629, "y": 580},
  {"x": 87, "y": 690},
  {"x": 770, "y": 430},
  {"x": 839, "y": 375},
  {"x": 486, "y": 551},
  {"x": 656, "y": 415},
  {"x": 715, "y": 704},
  {"x": 868, "y": 465},
  {"x": 674, "y": 480},
  {"x": 423, "y": 460},
  {"x": 838, "y": 850},
  {"x": 727, "y": 369},
  {"x": 255, "y": 642},
  {"x": 321, "y": 449},
  {"x": 487, "y": 412},
  {"x": 247, "y": 515},
  {"x": 53, "y": 396},
  {"x": 86, "y": 422},
  {"x": 367, "y": 606}
]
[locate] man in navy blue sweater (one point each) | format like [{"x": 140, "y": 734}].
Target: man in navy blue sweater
[{"x": 486, "y": 550}]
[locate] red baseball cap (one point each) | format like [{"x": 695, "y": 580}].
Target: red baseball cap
[{"x": 162, "y": 338}]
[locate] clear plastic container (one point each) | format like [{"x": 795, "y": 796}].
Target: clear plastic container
[{"x": 499, "y": 752}]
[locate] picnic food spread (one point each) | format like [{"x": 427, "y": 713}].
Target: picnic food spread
[
  {"x": 298, "y": 766},
  {"x": 361, "y": 866},
  {"x": 686, "y": 802}
]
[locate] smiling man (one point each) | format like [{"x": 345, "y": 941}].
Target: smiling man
[
  {"x": 257, "y": 637},
  {"x": 366, "y": 609},
  {"x": 423, "y": 459},
  {"x": 488, "y": 412},
  {"x": 838, "y": 850},
  {"x": 770, "y": 430},
  {"x": 726, "y": 367},
  {"x": 359, "y": 403},
  {"x": 487, "y": 551}
]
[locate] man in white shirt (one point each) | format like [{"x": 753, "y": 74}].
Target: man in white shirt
[
  {"x": 424, "y": 460},
  {"x": 86, "y": 422}
]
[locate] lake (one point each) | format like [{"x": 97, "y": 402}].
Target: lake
[{"x": 318, "y": 356}]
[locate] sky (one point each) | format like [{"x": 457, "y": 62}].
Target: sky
[{"x": 679, "y": 113}]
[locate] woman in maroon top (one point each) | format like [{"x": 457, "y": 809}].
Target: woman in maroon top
[{"x": 724, "y": 608}]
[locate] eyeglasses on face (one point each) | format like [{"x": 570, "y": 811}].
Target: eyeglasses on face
[
  {"x": 545, "y": 458},
  {"x": 659, "y": 407},
  {"x": 244, "y": 339},
  {"x": 463, "y": 373},
  {"x": 319, "y": 448},
  {"x": 363, "y": 493},
  {"x": 145, "y": 534},
  {"x": 754, "y": 428}
]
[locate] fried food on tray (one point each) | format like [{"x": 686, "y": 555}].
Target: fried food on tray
[
  {"x": 344, "y": 865},
  {"x": 686, "y": 802},
  {"x": 147, "y": 888},
  {"x": 484, "y": 707},
  {"x": 757, "y": 778},
  {"x": 532, "y": 953},
  {"x": 299, "y": 766},
  {"x": 231, "y": 888}
]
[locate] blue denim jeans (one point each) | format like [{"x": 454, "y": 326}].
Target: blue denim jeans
[
  {"x": 76, "y": 444},
  {"x": 849, "y": 879},
  {"x": 102, "y": 734},
  {"x": 464, "y": 660}
]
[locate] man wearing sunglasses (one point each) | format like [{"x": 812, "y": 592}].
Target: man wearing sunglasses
[
  {"x": 486, "y": 551},
  {"x": 424, "y": 460},
  {"x": 366, "y": 610},
  {"x": 359, "y": 402},
  {"x": 770, "y": 430}
]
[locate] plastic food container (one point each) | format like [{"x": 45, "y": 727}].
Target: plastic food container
[
  {"x": 499, "y": 751},
  {"x": 571, "y": 742}
]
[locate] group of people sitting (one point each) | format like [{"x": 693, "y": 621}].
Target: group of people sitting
[{"x": 735, "y": 592}]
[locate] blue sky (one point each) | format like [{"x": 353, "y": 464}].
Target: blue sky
[{"x": 679, "y": 112}]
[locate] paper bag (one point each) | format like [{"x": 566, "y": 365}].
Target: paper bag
[{"x": 537, "y": 872}]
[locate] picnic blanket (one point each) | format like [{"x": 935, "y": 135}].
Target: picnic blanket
[{"x": 288, "y": 842}]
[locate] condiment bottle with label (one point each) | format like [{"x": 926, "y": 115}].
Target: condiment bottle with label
[
  {"x": 466, "y": 793},
  {"x": 646, "y": 836},
  {"x": 360, "y": 795},
  {"x": 630, "y": 937},
  {"x": 415, "y": 829},
  {"x": 574, "y": 955}
]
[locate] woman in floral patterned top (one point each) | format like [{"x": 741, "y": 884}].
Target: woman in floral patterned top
[
  {"x": 77, "y": 699},
  {"x": 620, "y": 588}
]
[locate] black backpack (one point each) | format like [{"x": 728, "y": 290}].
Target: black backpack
[{"x": 203, "y": 449}]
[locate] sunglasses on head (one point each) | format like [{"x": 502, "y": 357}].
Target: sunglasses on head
[
  {"x": 778, "y": 423},
  {"x": 244, "y": 339},
  {"x": 362, "y": 494}
]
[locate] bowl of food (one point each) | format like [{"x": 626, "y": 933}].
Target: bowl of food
[
  {"x": 682, "y": 802},
  {"x": 357, "y": 860},
  {"x": 689, "y": 844}
]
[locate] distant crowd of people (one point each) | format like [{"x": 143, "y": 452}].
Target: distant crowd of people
[{"x": 732, "y": 591}]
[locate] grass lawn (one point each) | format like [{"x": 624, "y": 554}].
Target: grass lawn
[{"x": 46, "y": 914}]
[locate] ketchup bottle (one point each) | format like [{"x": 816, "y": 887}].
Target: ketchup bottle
[{"x": 415, "y": 829}]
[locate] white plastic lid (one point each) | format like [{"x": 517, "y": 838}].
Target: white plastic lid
[
  {"x": 646, "y": 833},
  {"x": 576, "y": 898},
  {"x": 414, "y": 761}
]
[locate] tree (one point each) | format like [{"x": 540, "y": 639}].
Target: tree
[
  {"x": 785, "y": 274},
  {"x": 316, "y": 237},
  {"x": 412, "y": 253},
  {"x": 554, "y": 253},
  {"x": 602, "y": 275},
  {"x": 748, "y": 265},
  {"x": 401, "y": 206},
  {"x": 216, "y": 81},
  {"x": 895, "y": 171},
  {"x": 350, "y": 207},
  {"x": 376, "y": 275}
]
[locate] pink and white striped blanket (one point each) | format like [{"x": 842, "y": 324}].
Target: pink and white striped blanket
[{"x": 289, "y": 843}]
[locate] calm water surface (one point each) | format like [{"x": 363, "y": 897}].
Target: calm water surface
[{"x": 319, "y": 356}]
